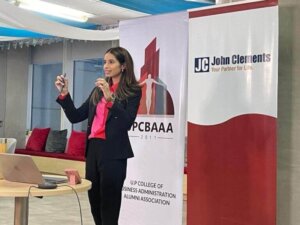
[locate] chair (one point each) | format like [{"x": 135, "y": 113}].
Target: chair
[{"x": 11, "y": 144}]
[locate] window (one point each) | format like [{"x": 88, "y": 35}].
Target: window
[
  {"x": 45, "y": 112},
  {"x": 85, "y": 74}
]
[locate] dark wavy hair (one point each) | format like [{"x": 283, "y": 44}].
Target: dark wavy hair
[{"x": 128, "y": 84}]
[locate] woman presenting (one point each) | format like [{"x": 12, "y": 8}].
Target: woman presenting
[{"x": 110, "y": 109}]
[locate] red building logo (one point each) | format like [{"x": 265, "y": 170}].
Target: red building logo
[{"x": 156, "y": 100}]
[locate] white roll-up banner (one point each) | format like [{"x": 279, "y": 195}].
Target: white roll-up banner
[{"x": 152, "y": 193}]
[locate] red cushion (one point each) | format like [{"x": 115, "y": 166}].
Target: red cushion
[
  {"x": 76, "y": 144},
  {"x": 37, "y": 139}
]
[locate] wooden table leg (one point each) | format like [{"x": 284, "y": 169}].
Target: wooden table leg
[{"x": 21, "y": 211}]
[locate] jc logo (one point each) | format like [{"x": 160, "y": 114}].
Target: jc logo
[{"x": 201, "y": 65}]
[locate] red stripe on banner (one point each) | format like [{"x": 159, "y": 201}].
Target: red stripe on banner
[
  {"x": 233, "y": 8},
  {"x": 232, "y": 172}
]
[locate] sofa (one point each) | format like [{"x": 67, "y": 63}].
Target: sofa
[{"x": 53, "y": 151}]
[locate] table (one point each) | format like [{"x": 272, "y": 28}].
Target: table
[{"x": 20, "y": 192}]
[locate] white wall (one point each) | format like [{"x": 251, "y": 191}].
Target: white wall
[
  {"x": 17, "y": 62},
  {"x": 47, "y": 54},
  {"x": 2, "y": 91},
  {"x": 54, "y": 53},
  {"x": 288, "y": 153}
]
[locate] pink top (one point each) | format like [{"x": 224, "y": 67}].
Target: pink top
[{"x": 98, "y": 126}]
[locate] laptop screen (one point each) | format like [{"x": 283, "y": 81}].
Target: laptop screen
[{"x": 20, "y": 168}]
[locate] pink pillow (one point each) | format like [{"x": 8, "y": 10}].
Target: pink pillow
[
  {"x": 37, "y": 139},
  {"x": 76, "y": 144}
]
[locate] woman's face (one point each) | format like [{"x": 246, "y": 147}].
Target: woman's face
[{"x": 112, "y": 67}]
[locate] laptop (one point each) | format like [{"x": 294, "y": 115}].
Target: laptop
[{"x": 21, "y": 168}]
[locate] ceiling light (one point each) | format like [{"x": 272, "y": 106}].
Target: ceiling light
[{"x": 54, "y": 10}]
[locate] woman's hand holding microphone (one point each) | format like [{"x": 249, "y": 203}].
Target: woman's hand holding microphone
[
  {"x": 61, "y": 84},
  {"x": 104, "y": 87}
]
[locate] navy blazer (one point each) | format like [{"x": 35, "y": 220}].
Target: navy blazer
[{"x": 119, "y": 120}]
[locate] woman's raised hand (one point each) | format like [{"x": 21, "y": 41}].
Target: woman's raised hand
[
  {"x": 104, "y": 87},
  {"x": 61, "y": 84}
]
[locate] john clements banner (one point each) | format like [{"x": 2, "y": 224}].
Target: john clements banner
[{"x": 232, "y": 80}]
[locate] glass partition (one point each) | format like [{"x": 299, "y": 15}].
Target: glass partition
[
  {"x": 45, "y": 112},
  {"x": 85, "y": 74}
]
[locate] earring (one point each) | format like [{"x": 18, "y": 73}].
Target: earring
[{"x": 122, "y": 70}]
